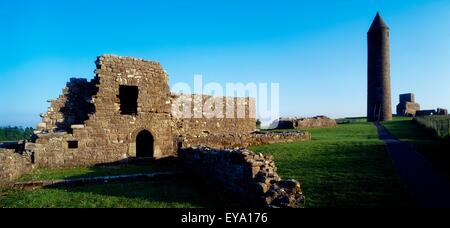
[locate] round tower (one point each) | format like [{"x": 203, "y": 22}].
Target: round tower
[{"x": 379, "y": 106}]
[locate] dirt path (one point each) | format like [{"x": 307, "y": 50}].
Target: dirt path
[{"x": 427, "y": 188}]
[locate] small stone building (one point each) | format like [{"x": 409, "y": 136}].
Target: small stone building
[
  {"x": 407, "y": 105},
  {"x": 127, "y": 112},
  {"x": 124, "y": 112}
]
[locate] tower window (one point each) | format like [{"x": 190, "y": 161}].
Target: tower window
[{"x": 128, "y": 96}]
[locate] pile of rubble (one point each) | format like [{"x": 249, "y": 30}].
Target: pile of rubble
[{"x": 244, "y": 175}]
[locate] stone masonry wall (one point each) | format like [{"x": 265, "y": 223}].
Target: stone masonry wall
[
  {"x": 218, "y": 115},
  {"x": 107, "y": 135},
  {"x": 72, "y": 107},
  {"x": 303, "y": 123},
  {"x": 244, "y": 175},
  {"x": 13, "y": 165},
  {"x": 90, "y": 114},
  {"x": 407, "y": 105},
  {"x": 221, "y": 141}
]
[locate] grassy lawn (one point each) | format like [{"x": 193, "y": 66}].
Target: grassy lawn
[
  {"x": 404, "y": 128},
  {"x": 435, "y": 149},
  {"x": 344, "y": 166},
  {"x": 170, "y": 193},
  {"x": 151, "y": 194}
]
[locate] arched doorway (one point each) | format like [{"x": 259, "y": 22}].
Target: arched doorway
[{"x": 144, "y": 144}]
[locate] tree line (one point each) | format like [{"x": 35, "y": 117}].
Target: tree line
[{"x": 15, "y": 133}]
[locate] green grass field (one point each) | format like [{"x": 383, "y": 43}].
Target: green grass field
[
  {"x": 344, "y": 166},
  {"x": 151, "y": 194},
  {"x": 170, "y": 193}
]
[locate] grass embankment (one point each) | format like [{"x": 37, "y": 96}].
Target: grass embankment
[
  {"x": 344, "y": 166},
  {"x": 434, "y": 148}
]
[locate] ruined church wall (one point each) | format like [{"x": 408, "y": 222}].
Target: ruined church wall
[
  {"x": 52, "y": 150},
  {"x": 90, "y": 115},
  {"x": 153, "y": 110},
  {"x": 53, "y": 116},
  {"x": 107, "y": 135},
  {"x": 222, "y": 141},
  {"x": 13, "y": 165},
  {"x": 232, "y": 116},
  {"x": 71, "y": 107}
]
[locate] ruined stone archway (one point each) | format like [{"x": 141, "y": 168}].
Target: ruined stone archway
[{"x": 145, "y": 144}]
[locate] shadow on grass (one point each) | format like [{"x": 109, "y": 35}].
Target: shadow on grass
[
  {"x": 174, "y": 191},
  {"x": 109, "y": 169},
  {"x": 433, "y": 148}
]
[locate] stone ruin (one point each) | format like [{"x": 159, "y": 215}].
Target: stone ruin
[
  {"x": 13, "y": 164},
  {"x": 408, "y": 107},
  {"x": 245, "y": 176},
  {"x": 303, "y": 123},
  {"x": 124, "y": 113},
  {"x": 432, "y": 112},
  {"x": 442, "y": 112}
]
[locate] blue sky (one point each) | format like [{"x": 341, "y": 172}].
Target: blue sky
[{"x": 316, "y": 50}]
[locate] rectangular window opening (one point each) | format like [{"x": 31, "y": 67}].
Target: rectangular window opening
[
  {"x": 72, "y": 144},
  {"x": 128, "y": 96}
]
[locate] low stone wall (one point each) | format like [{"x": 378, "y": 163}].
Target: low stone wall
[
  {"x": 303, "y": 123},
  {"x": 315, "y": 122},
  {"x": 221, "y": 141},
  {"x": 244, "y": 175},
  {"x": 13, "y": 165}
]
